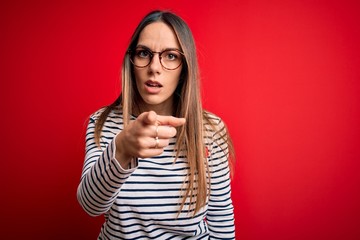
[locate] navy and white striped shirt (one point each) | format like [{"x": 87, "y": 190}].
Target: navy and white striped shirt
[{"x": 143, "y": 202}]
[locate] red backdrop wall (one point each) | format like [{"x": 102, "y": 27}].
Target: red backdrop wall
[{"x": 284, "y": 75}]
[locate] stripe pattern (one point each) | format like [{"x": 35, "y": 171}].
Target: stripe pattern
[{"x": 143, "y": 202}]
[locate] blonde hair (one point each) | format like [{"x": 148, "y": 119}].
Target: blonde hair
[{"x": 187, "y": 104}]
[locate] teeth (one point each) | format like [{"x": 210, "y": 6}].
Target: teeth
[{"x": 153, "y": 85}]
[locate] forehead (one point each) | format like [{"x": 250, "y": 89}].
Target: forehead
[{"x": 158, "y": 36}]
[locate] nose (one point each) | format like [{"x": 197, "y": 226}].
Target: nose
[{"x": 155, "y": 64}]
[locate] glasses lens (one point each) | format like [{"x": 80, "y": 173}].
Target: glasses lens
[
  {"x": 171, "y": 59},
  {"x": 141, "y": 57}
]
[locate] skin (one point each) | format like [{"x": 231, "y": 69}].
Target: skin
[
  {"x": 158, "y": 36},
  {"x": 138, "y": 138}
]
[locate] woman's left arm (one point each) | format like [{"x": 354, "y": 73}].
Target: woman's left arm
[{"x": 220, "y": 216}]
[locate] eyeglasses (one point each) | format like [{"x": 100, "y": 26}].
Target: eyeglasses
[{"x": 170, "y": 59}]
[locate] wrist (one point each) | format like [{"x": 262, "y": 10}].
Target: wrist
[{"x": 121, "y": 155}]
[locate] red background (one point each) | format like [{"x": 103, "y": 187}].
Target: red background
[{"x": 284, "y": 75}]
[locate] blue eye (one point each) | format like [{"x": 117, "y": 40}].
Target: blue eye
[
  {"x": 143, "y": 53},
  {"x": 170, "y": 55}
]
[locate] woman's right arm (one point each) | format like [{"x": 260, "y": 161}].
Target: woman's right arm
[{"x": 102, "y": 175}]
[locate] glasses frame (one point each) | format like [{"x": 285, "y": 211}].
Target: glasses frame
[{"x": 152, "y": 53}]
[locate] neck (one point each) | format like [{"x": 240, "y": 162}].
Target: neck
[{"x": 165, "y": 108}]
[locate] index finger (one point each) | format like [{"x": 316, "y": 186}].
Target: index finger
[
  {"x": 170, "y": 121},
  {"x": 148, "y": 118}
]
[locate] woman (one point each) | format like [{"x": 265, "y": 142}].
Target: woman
[{"x": 156, "y": 163}]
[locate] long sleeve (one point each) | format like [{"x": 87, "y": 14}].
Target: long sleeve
[
  {"x": 220, "y": 216},
  {"x": 143, "y": 201},
  {"x": 102, "y": 175}
]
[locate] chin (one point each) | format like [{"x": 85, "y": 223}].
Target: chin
[
  {"x": 153, "y": 100},
  {"x": 157, "y": 101}
]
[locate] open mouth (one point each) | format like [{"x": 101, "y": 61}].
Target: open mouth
[{"x": 153, "y": 84}]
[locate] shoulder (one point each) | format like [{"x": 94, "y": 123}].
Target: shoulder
[
  {"x": 209, "y": 116},
  {"x": 217, "y": 141},
  {"x": 213, "y": 123},
  {"x": 113, "y": 114}
]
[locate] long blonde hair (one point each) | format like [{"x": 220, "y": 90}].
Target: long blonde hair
[{"x": 187, "y": 104}]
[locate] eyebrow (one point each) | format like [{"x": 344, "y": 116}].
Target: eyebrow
[{"x": 147, "y": 48}]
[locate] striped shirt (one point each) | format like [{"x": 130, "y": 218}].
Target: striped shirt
[{"x": 143, "y": 202}]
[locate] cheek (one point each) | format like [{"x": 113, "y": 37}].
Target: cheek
[
  {"x": 173, "y": 82},
  {"x": 176, "y": 76},
  {"x": 139, "y": 75}
]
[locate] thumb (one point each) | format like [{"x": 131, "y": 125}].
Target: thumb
[{"x": 148, "y": 118}]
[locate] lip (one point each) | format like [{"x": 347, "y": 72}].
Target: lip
[{"x": 153, "y": 87}]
